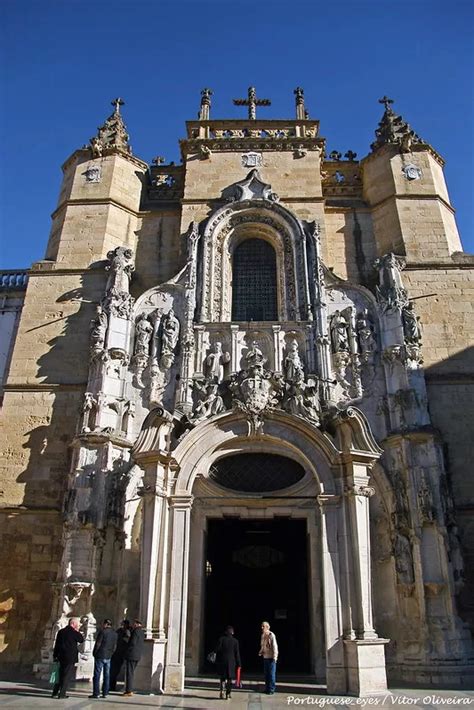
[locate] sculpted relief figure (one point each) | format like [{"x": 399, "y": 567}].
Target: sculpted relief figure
[
  {"x": 339, "y": 333},
  {"x": 215, "y": 362},
  {"x": 292, "y": 365},
  {"x": 169, "y": 338},
  {"x": 120, "y": 270},
  {"x": 211, "y": 402},
  {"x": 254, "y": 357},
  {"x": 99, "y": 330},
  {"x": 143, "y": 333},
  {"x": 365, "y": 332},
  {"x": 411, "y": 329}
]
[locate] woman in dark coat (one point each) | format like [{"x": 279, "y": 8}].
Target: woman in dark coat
[{"x": 227, "y": 660}]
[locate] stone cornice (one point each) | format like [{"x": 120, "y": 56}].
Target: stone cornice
[
  {"x": 247, "y": 143},
  {"x": 95, "y": 201},
  {"x": 40, "y": 387},
  {"x": 417, "y": 196},
  {"x": 86, "y": 154},
  {"x": 394, "y": 149}
]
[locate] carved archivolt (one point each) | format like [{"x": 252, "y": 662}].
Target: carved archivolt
[{"x": 225, "y": 230}]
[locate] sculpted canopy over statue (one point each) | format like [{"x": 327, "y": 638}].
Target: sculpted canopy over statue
[
  {"x": 215, "y": 362},
  {"x": 120, "y": 270},
  {"x": 339, "y": 333}
]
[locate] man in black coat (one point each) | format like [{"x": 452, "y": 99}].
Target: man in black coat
[
  {"x": 65, "y": 652},
  {"x": 227, "y": 660},
  {"x": 132, "y": 655},
  {"x": 118, "y": 659},
  {"x": 103, "y": 650}
]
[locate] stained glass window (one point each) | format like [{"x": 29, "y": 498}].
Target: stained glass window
[{"x": 254, "y": 288}]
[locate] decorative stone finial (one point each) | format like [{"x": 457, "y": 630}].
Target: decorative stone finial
[
  {"x": 112, "y": 137},
  {"x": 301, "y": 113},
  {"x": 252, "y": 102},
  {"x": 393, "y": 130},
  {"x": 158, "y": 160},
  {"x": 350, "y": 155},
  {"x": 117, "y": 103},
  {"x": 204, "y": 112}
]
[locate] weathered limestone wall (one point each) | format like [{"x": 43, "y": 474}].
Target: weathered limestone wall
[
  {"x": 349, "y": 247},
  {"x": 30, "y": 552},
  {"x": 411, "y": 216},
  {"x": 160, "y": 250},
  {"x": 93, "y": 218},
  {"x": 448, "y": 351},
  {"x": 42, "y": 402},
  {"x": 289, "y": 177}
]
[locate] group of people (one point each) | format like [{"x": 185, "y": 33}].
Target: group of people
[
  {"x": 113, "y": 649},
  {"x": 228, "y": 659}
]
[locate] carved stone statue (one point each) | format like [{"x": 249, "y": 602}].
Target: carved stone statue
[
  {"x": 292, "y": 365},
  {"x": 143, "y": 333},
  {"x": 365, "y": 332},
  {"x": 254, "y": 357},
  {"x": 211, "y": 403},
  {"x": 215, "y": 362},
  {"x": 96, "y": 147},
  {"x": 390, "y": 292},
  {"x": 411, "y": 329},
  {"x": 339, "y": 333},
  {"x": 403, "y": 559},
  {"x": 426, "y": 505},
  {"x": 169, "y": 338},
  {"x": 89, "y": 409},
  {"x": 120, "y": 270},
  {"x": 99, "y": 330}
]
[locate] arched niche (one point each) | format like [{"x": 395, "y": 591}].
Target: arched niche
[{"x": 225, "y": 230}]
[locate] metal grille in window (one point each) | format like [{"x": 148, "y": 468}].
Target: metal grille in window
[
  {"x": 254, "y": 290},
  {"x": 256, "y": 472}
]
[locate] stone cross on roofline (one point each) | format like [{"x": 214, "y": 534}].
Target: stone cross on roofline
[
  {"x": 117, "y": 103},
  {"x": 386, "y": 102},
  {"x": 252, "y": 102}
]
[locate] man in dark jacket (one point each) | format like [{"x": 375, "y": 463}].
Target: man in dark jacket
[
  {"x": 65, "y": 652},
  {"x": 118, "y": 659},
  {"x": 227, "y": 660},
  {"x": 132, "y": 655},
  {"x": 103, "y": 650}
]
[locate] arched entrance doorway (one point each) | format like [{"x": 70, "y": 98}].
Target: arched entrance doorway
[{"x": 330, "y": 500}]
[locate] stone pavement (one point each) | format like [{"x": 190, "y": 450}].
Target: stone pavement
[{"x": 202, "y": 694}]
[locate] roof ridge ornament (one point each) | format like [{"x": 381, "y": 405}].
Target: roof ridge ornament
[
  {"x": 204, "y": 111},
  {"x": 394, "y": 130},
  {"x": 301, "y": 112},
  {"x": 252, "y": 102},
  {"x": 250, "y": 188},
  {"x": 112, "y": 137}
]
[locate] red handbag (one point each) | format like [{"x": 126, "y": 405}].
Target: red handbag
[{"x": 238, "y": 683}]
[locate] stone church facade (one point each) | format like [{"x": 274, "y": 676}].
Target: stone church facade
[{"x": 253, "y": 366}]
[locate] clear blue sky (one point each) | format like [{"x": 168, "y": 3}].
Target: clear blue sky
[{"x": 63, "y": 62}]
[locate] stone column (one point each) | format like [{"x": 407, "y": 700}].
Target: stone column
[
  {"x": 178, "y": 592},
  {"x": 365, "y": 656},
  {"x": 333, "y": 622}
]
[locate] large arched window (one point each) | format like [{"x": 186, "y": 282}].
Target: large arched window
[{"x": 254, "y": 287}]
